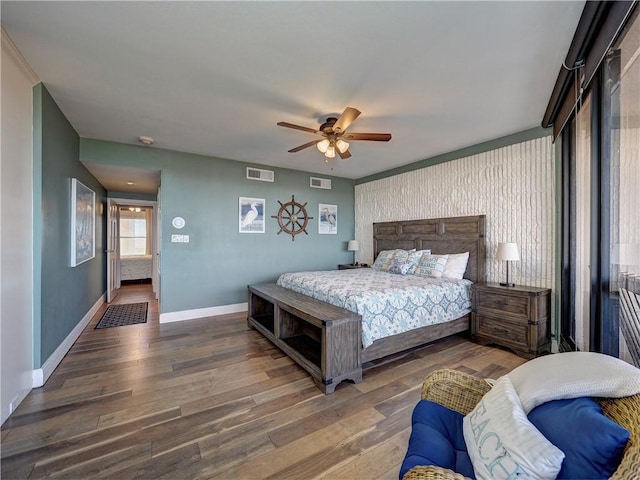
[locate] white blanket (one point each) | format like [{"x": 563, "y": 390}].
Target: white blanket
[{"x": 573, "y": 375}]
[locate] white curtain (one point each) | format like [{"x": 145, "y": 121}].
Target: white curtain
[{"x": 149, "y": 218}]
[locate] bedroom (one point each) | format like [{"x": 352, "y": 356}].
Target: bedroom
[
  {"x": 205, "y": 190},
  {"x": 135, "y": 232}
]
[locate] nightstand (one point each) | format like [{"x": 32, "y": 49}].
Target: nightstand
[
  {"x": 348, "y": 266},
  {"x": 518, "y": 318}
]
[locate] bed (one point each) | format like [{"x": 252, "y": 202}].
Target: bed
[
  {"x": 138, "y": 267},
  {"x": 452, "y": 305}
]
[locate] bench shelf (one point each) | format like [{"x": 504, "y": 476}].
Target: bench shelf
[{"x": 323, "y": 339}]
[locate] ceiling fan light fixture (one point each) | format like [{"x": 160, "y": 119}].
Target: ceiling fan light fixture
[
  {"x": 323, "y": 145},
  {"x": 331, "y": 152},
  {"x": 333, "y": 130},
  {"x": 341, "y": 145}
]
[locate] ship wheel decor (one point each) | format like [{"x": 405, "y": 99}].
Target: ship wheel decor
[{"x": 292, "y": 218}]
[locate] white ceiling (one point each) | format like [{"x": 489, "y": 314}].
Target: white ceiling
[{"x": 214, "y": 78}]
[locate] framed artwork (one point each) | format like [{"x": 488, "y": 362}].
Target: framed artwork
[
  {"x": 83, "y": 223},
  {"x": 328, "y": 219},
  {"x": 251, "y": 215}
]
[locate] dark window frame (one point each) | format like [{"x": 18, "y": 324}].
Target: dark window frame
[{"x": 599, "y": 26}]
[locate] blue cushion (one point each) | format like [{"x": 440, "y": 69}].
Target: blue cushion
[
  {"x": 437, "y": 439},
  {"x": 592, "y": 443}
]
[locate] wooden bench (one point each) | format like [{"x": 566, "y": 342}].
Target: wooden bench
[{"x": 323, "y": 339}]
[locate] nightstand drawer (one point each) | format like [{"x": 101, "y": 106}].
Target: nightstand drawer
[
  {"x": 503, "y": 331},
  {"x": 496, "y": 302}
]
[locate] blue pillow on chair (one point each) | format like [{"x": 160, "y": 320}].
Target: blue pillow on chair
[
  {"x": 437, "y": 439},
  {"x": 593, "y": 444}
]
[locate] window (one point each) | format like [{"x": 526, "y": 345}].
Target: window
[
  {"x": 601, "y": 175},
  {"x": 133, "y": 233},
  {"x": 582, "y": 226},
  {"x": 621, "y": 129}
]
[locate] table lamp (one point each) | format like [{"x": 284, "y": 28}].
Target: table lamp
[
  {"x": 508, "y": 252},
  {"x": 353, "y": 246}
]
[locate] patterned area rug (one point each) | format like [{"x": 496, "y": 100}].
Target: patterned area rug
[{"x": 127, "y": 314}]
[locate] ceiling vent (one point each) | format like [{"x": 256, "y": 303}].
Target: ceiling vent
[
  {"x": 315, "y": 182},
  {"x": 259, "y": 174}
]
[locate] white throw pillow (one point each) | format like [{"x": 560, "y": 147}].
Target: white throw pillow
[
  {"x": 502, "y": 443},
  {"x": 573, "y": 375},
  {"x": 456, "y": 265}
]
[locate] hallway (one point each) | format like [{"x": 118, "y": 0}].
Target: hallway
[{"x": 132, "y": 293}]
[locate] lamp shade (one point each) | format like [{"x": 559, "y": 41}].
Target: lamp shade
[
  {"x": 341, "y": 145},
  {"x": 331, "y": 152},
  {"x": 353, "y": 246},
  {"x": 508, "y": 251},
  {"x": 323, "y": 145}
]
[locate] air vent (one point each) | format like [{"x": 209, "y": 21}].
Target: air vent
[
  {"x": 315, "y": 182},
  {"x": 259, "y": 174}
]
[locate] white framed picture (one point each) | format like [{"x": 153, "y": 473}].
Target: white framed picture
[
  {"x": 83, "y": 223},
  {"x": 251, "y": 215},
  {"x": 328, "y": 219}
]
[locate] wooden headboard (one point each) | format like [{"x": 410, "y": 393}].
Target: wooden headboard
[{"x": 441, "y": 235}]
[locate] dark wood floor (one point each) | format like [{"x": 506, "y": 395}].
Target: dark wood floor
[{"x": 210, "y": 399}]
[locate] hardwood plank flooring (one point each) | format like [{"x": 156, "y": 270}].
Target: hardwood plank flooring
[{"x": 209, "y": 398}]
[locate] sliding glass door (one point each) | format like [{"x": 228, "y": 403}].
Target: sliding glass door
[
  {"x": 601, "y": 206},
  {"x": 621, "y": 125}
]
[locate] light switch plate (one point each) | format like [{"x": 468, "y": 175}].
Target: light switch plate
[{"x": 175, "y": 238}]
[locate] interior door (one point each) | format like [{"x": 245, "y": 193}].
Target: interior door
[
  {"x": 157, "y": 242},
  {"x": 113, "y": 250}
]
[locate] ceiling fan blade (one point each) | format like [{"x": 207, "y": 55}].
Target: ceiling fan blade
[
  {"x": 346, "y": 154},
  {"x": 376, "y": 137},
  {"x": 302, "y": 147},
  {"x": 348, "y": 116},
  {"x": 297, "y": 127}
]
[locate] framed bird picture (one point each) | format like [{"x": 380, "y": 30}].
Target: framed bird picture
[
  {"x": 328, "y": 219},
  {"x": 251, "y": 215}
]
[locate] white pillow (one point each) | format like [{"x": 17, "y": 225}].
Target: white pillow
[
  {"x": 502, "y": 443},
  {"x": 573, "y": 375},
  {"x": 456, "y": 265},
  {"x": 431, "y": 265}
]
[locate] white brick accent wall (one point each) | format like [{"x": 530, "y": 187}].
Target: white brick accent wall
[{"x": 513, "y": 186}]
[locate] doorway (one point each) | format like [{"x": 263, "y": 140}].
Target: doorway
[{"x": 133, "y": 251}]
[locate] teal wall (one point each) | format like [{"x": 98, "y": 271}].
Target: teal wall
[
  {"x": 63, "y": 295},
  {"x": 218, "y": 263}
]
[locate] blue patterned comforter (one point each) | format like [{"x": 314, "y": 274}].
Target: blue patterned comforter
[{"x": 388, "y": 303}]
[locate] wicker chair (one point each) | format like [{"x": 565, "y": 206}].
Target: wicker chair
[{"x": 461, "y": 392}]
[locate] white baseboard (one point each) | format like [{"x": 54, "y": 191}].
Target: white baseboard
[
  {"x": 42, "y": 374},
  {"x": 13, "y": 404},
  {"x": 202, "y": 312}
]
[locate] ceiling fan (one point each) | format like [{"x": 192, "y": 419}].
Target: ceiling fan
[{"x": 334, "y": 134}]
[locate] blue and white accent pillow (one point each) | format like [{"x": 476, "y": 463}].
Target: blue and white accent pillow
[
  {"x": 431, "y": 266},
  {"x": 409, "y": 265},
  {"x": 385, "y": 259},
  {"x": 397, "y": 266},
  {"x": 502, "y": 443},
  {"x": 413, "y": 260}
]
